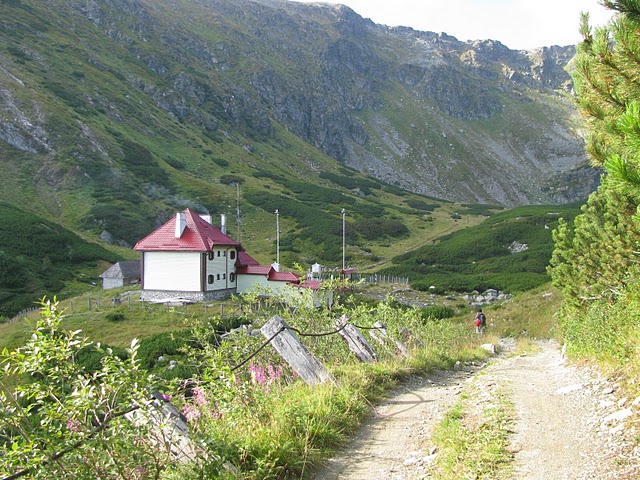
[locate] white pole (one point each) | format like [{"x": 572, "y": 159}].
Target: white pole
[
  {"x": 277, "y": 237},
  {"x": 343, "y": 238},
  {"x": 238, "y": 209}
]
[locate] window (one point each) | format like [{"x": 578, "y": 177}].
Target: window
[
  {"x": 218, "y": 252},
  {"x": 218, "y": 276},
  {"x": 224, "y": 276},
  {"x": 224, "y": 253},
  {"x": 211, "y": 255},
  {"x": 232, "y": 277},
  {"x": 210, "y": 279},
  {"x": 232, "y": 254}
]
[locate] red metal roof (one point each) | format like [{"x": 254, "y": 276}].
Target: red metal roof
[
  {"x": 269, "y": 272},
  {"x": 198, "y": 236},
  {"x": 255, "y": 270},
  {"x": 284, "y": 277},
  {"x": 244, "y": 259},
  {"x": 311, "y": 284}
]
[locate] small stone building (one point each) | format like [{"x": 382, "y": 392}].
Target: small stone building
[{"x": 126, "y": 272}]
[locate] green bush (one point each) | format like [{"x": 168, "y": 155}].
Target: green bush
[
  {"x": 115, "y": 316},
  {"x": 220, "y": 162},
  {"x": 231, "y": 179},
  {"x": 438, "y": 312},
  {"x": 375, "y": 228},
  {"x": 141, "y": 163},
  {"x": 90, "y": 358},
  {"x": 164, "y": 343},
  {"x": 421, "y": 205}
]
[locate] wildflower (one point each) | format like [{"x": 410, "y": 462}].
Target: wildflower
[
  {"x": 200, "y": 397},
  {"x": 166, "y": 397},
  {"x": 73, "y": 425},
  {"x": 257, "y": 375},
  {"x": 215, "y": 412},
  {"x": 274, "y": 373},
  {"x": 191, "y": 412}
]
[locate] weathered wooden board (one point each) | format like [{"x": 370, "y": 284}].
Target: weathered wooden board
[
  {"x": 356, "y": 341},
  {"x": 381, "y": 335},
  {"x": 295, "y": 353}
]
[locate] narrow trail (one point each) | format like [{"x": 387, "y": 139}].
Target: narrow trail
[{"x": 563, "y": 431}]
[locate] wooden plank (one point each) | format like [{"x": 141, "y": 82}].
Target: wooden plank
[
  {"x": 295, "y": 353},
  {"x": 356, "y": 342},
  {"x": 381, "y": 335},
  {"x": 410, "y": 339}
]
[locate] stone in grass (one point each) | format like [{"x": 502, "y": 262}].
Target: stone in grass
[
  {"x": 569, "y": 389},
  {"x": 617, "y": 416},
  {"x": 489, "y": 347}
]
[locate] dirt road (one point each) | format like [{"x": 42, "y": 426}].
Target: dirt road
[{"x": 570, "y": 423}]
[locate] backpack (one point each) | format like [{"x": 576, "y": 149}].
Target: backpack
[{"x": 481, "y": 320}]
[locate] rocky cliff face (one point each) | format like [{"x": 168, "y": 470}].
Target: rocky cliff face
[{"x": 465, "y": 121}]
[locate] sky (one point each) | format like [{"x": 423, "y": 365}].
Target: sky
[{"x": 518, "y": 24}]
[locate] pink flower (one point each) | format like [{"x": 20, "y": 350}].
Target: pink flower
[
  {"x": 191, "y": 412},
  {"x": 166, "y": 397},
  {"x": 215, "y": 413},
  {"x": 200, "y": 397},
  {"x": 73, "y": 425},
  {"x": 257, "y": 375}
]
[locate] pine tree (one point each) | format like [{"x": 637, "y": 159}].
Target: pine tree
[{"x": 598, "y": 257}]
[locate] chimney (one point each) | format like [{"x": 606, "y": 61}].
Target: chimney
[
  {"x": 223, "y": 223},
  {"x": 181, "y": 223},
  {"x": 206, "y": 218}
]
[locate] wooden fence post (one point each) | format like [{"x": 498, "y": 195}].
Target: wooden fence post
[
  {"x": 295, "y": 353},
  {"x": 382, "y": 336},
  {"x": 356, "y": 342},
  {"x": 409, "y": 338}
]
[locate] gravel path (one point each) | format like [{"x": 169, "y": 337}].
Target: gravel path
[{"x": 567, "y": 425}]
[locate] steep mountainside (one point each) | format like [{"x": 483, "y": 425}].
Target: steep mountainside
[{"x": 115, "y": 113}]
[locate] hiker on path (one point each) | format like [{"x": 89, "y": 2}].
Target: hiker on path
[{"x": 480, "y": 322}]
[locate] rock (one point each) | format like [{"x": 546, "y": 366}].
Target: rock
[
  {"x": 606, "y": 404},
  {"x": 457, "y": 366},
  {"x": 569, "y": 389},
  {"x": 608, "y": 390},
  {"x": 618, "y": 416},
  {"x": 489, "y": 347}
]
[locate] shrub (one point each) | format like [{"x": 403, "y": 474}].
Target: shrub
[
  {"x": 374, "y": 228},
  {"x": 164, "y": 343},
  {"x": 115, "y": 316},
  {"x": 437, "y": 312},
  {"x": 231, "y": 179},
  {"x": 220, "y": 161},
  {"x": 421, "y": 205}
]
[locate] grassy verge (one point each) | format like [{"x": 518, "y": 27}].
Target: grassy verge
[{"x": 472, "y": 439}]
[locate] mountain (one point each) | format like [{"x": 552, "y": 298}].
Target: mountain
[{"x": 113, "y": 114}]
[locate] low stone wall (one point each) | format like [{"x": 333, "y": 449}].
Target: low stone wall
[{"x": 155, "y": 295}]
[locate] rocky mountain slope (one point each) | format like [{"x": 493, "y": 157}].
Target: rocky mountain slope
[{"x": 114, "y": 113}]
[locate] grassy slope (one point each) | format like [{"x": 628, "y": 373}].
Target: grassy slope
[{"x": 479, "y": 257}]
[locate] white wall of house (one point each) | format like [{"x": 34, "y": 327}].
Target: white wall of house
[
  {"x": 247, "y": 283},
  {"x": 221, "y": 269},
  {"x": 109, "y": 283},
  {"x": 172, "y": 271}
]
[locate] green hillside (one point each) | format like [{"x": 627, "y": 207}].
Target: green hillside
[
  {"x": 509, "y": 251},
  {"x": 39, "y": 257},
  {"x": 120, "y": 113}
]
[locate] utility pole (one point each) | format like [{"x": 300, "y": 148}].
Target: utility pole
[
  {"x": 238, "y": 218},
  {"x": 277, "y": 237},
  {"x": 344, "y": 244}
]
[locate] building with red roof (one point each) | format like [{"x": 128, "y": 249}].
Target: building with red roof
[{"x": 190, "y": 258}]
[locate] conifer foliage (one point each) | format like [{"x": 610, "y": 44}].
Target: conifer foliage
[{"x": 597, "y": 259}]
